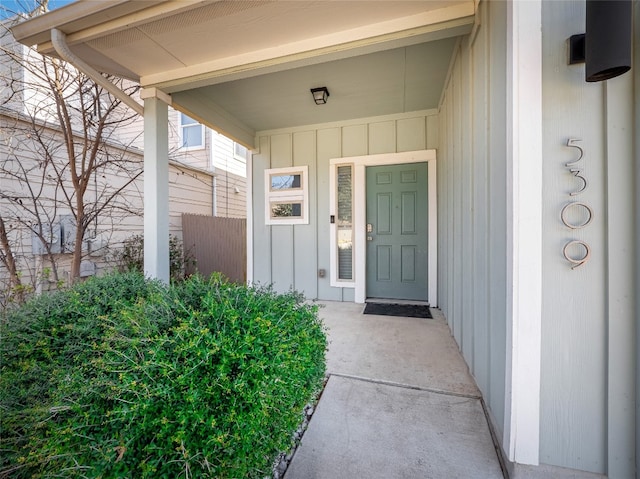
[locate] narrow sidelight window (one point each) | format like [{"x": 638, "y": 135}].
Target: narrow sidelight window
[{"x": 344, "y": 229}]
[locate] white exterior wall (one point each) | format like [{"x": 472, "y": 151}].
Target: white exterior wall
[
  {"x": 231, "y": 177},
  {"x": 217, "y": 155},
  {"x": 10, "y": 70},
  {"x": 587, "y": 351},
  {"x": 291, "y": 255}
]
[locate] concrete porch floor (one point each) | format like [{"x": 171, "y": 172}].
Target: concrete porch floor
[{"x": 399, "y": 403}]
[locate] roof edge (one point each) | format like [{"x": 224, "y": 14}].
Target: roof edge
[{"x": 37, "y": 29}]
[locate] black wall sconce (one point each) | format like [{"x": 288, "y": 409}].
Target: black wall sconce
[
  {"x": 606, "y": 45},
  {"x": 320, "y": 95}
]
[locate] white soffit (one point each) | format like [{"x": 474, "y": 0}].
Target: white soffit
[
  {"x": 274, "y": 38},
  {"x": 173, "y": 43}
]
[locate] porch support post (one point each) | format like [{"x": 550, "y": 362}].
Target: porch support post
[
  {"x": 156, "y": 189},
  {"x": 524, "y": 231}
]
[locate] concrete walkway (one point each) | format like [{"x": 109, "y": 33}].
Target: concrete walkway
[{"x": 399, "y": 403}]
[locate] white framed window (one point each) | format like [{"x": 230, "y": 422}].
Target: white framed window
[
  {"x": 191, "y": 133},
  {"x": 239, "y": 151},
  {"x": 286, "y": 196}
]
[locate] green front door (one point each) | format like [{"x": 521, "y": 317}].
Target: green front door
[{"x": 397, "y": 233}]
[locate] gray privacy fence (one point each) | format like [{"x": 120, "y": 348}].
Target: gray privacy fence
[{"x": 217, "y": 244}]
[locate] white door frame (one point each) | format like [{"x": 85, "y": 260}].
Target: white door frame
[{"x": 360, "y": 210}]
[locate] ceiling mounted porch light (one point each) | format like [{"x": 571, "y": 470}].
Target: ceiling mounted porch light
[{"x": 320, "y": 95}]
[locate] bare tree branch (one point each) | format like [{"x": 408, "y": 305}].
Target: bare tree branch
[{"x": 56, "y": 143}]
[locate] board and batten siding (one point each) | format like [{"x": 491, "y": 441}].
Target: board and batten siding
[
  {"x": 589, "y": 315},
  {"x": 290, "y": 256},
  {"x": 588, "y": 345},
  {"x": 472, "y": 201}
]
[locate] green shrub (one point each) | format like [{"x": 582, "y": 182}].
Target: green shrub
[
  {"x": 123, "y": 377},
  {"x": 131, "y": 256}
]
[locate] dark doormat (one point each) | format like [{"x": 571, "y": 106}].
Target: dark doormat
[{"x": 393, "y": 309}]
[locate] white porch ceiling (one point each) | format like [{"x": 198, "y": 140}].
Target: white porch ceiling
[{"x": 241, "y": 66}]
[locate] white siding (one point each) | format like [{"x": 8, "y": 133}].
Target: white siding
[
  {"x": 218, "y": 156},
  {"x": 10, "y": 70},
  {"x": 190, "y": 191},
  {"x": 223, "y": 155},
  {"x": 231, "y": 177}
]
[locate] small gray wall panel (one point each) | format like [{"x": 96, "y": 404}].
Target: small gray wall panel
[
  {"x": 458, "y": 238},
  {"x": 433, "y": 132},
  {"x": 498, "y": 211},
  {"x": 449, "y": 191},
  {"x": 348, "y": 294},
  {"x": 466, "y": 184},
  {"x": 411, "y": 133},
  {"x": 480, "y": 198},
  {"x": 281, "y": 154},
  {"x": 282, "y": 259},
  {"x": 282, "y": 246},
  {"x": 328, "y": 146},
  {"x": 261, "y": 232},
  {"x": 382, "y": 137},
  {"x": 355, "y": 140},
  {"x": 443, "y": 210},
  {"x": 305, "y": 261}
]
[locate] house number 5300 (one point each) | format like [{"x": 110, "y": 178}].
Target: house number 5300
[{"x": 576, "y": 252}]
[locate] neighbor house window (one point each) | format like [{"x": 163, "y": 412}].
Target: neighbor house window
[
  {"x": 286, "y": 196},
  {"x": 191, "y": 133},
  {"x": 239, "y": 151}
]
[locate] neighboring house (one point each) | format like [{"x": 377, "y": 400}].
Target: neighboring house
[
  {"x": 193, "y": 144},
  {"x": 207, "y": 176},
  {"x": 190, "y": 191},
  {"x": 457, "y": 122}
]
